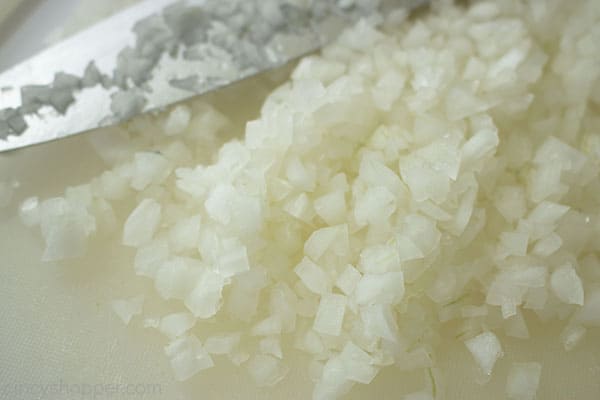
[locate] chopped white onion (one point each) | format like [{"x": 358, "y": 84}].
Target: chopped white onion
[
  {"x": 266, "y": 370},
  {"x": 30, "y": 211},
  {"x": 572, "y": 335},
  {"x": 178, "y": 120},
  {"x": 205, "y": 298},
  {"x": 188, "y": 357},
  {"x": 128, "y": 308},
  {"x": 172, "y": 278},
  {"x": 566, "y": 285},
  {"x": 387, "y": 288},
  {"x": 149, "y": 168},
  {"x": 330, "y": 314},
  {"x": 486, "y": 350},
  {"x": 175, "y": 325},
  {"x": 142, "y": 223},
  {"x": 379, "y": 321},
  {"x": 358, "y": 364},
  {"x": 523, "y": 380},
  {"x": 313, "y": 276},
  {"x": 443, "y": 174},
  {"x": 589, "y": 314},
  {"x": 268, "y": 326},
  {"x": 348, "y": 279},
  {"x": 149, "y": 258}
]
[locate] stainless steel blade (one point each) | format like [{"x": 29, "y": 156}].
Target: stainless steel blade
[{"x": 160, "y": 52}]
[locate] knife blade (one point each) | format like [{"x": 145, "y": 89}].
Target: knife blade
[{"x": 160, "y": 52}]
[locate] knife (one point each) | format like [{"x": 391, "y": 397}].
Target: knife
[{"x": 160, "y": 52}]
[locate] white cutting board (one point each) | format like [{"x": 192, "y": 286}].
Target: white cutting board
[{"x": 57, "y": 327}]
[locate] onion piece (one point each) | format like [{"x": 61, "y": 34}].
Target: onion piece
[
  {"x": 266, "y": 370},
  {"x": 142, "y": 223},
  {"x": 330, "y": 314},
  {"x": 566, "y": 285},
  {"x": 175, "y": 325},
  {"x": 523, "y": 380},
  {"x": 486, "y": 350},
  {"x": 187, "y": 357},
  {"x": 128, "y": 308}
]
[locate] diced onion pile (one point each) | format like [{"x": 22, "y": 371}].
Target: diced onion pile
[{"x": 442, "y": 170}]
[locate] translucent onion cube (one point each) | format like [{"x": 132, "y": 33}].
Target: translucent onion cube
[
  {"x": 375, "y": 206},
  {"x": 388, "y": 89},
  {"x": 331, "y": 207},
  {"x": 142, "y": 223},
  {"x": 187, "y": 357},
  {"x": 330, "y": 314},
  {"x": 300, "y": 207},
  {"x": 178, "y": 120},
  {"x": 572, "y": 335},
  {"x": 557, "y": 152},
  {"x": 128, "y": 308},
  {"x": 379, "y": 259},
  {"x": 513, "y": 244},
  {"x": 173, "y": 279},
  {"x": 376, "y": 174},
  {"x": 379, "y": 321},
  {"x": 589, "y": 314},
  {"x": 385, "y": 288},
  {"x": 348, "y": 279},
  {"x": 218, "y": 203},
  {"x": 266, "y": 370},
  {"x": 313, "y": 276},
  {"x": 283, "y": 303},
  {"x": 324, "y": 239},
  {"x": 358, "y": 364},
  {"x": 407, "y": 249},
  {"x": 481, "y": 144},
  {"x": 566, "y": 285},
  {"x": 422, "y": 231},
  {"x": 29, "y": 211},
  {"x": 176, "y": 324},
  {"x": 300, "y": 176},
  {"x": 510, "y": 201},
  {"x": 65, "y": 239},
  {"x": 185, "y": 234},
  {"x": 462, "y": 103},
  {"x": 206, "y": 298},
  {"x": 149, "y": 258},
  {"x": 149, "y": 168},
  {"x": 486, "y": 350},
  {"x": 547, "y": 245},
  {"x": 523, "y": 380},
  {"x": 234, "y": 260},
  {"x": 333, "y": 382}
]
